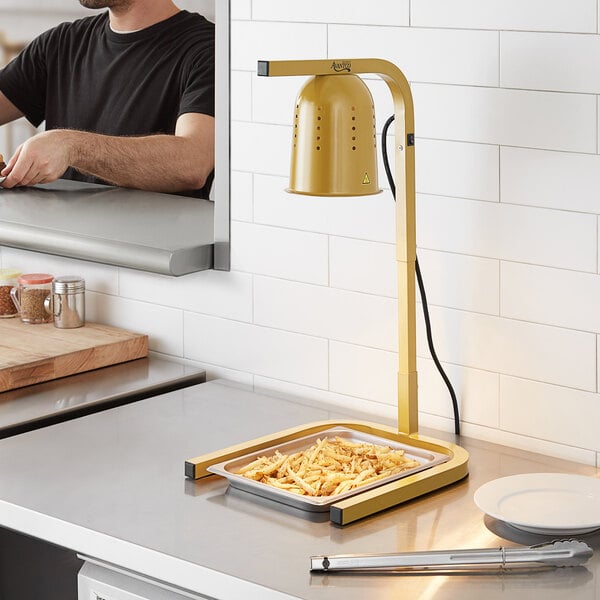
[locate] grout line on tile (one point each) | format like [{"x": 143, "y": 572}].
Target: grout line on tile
[
  {"x": 597, "y": 126},
  {"x": 253, "y": 301},
  {"x": 597, "y": 342},
  {"x": 329, "y": 261},
  {"x": 499, "y": 173},
  {"x": 500, "y": 262},
  {"x": 499, "y": 59}
]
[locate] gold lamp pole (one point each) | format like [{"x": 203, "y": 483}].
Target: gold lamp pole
[
  {"x": 334, "y": 154},
  {"x": 362, "y": 176}
]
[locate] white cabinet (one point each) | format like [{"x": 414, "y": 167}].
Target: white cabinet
[{"x": 96, "y": 582}]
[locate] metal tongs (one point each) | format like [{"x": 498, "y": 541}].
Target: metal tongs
[{"x": 559, "y": 553}]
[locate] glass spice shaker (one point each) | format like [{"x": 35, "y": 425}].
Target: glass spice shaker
[
  {"x": 30, "y": 295},
  {"x": 8, "y": 280}
]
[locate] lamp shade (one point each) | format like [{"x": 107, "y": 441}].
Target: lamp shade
[{"x": 334, "y": 150}]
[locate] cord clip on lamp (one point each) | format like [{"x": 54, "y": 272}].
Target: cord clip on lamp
[{"x": 334, "y": 154}]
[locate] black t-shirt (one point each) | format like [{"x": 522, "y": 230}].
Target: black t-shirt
[{"x": 84, "y": 76}]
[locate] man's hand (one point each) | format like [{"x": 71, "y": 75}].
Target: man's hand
[
  {"x": 41, "y": 159},
  {"x": 157, "y": 163}
]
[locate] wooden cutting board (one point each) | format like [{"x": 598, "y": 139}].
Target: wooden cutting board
[{"x": 35, "y": 353}]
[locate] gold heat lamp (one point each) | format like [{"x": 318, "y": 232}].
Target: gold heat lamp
[
  {"x": 334, "y": 154},
  {"x": 334, "y": 144},
  {"x": 343, "y": 162}
]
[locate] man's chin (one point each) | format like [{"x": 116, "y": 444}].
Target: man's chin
[{"x": 104, "y": 3}]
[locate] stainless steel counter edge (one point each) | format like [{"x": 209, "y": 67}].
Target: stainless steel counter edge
[
  {"x": 54, "y": 401},
  {"x": 144, "y": 561},
  {"x": 112, "y": 225},
  {"x": 164, "y": 261}
]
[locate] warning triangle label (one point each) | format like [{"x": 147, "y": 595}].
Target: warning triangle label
[{"x": 366, "y": 179}]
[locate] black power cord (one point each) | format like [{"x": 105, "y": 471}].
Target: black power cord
[{"x": 388, "y": 172}]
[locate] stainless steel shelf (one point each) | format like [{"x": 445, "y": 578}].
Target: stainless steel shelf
[{"x": 161, "y": 233}]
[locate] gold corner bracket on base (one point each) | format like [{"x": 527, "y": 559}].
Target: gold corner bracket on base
[
  {"x": 371, "y": 501},
  {"x": 400, "y": 491}
]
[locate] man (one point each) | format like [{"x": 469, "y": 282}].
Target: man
[{"x": 127, "y": 96}]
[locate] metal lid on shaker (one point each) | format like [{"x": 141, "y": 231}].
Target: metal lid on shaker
[{"x": 66, "y": 284}]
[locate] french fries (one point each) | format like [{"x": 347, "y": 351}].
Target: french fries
[{"x": 328, "y": 467}]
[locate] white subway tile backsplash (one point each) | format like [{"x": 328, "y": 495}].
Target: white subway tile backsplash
[
  {"x": 361, "y": 266},
  {"x": 562, "y": 180},
  {"x": 98, "y": 278},
  {"x": 352, "y": 317},
  {"x": 598, "y": 113},
  {"x": 269, "y": 352},
  {"x": 477, "y": 393},
  {"x": 452, "y": 280},
  {"x": 550, "y": 61},
  {"x": 260, "y": 148},
  {"x": 598, "y": 361},
  {"x": 460, "y": 281},
  {"x": 285, "y": 253},
  {"x": 549, "y": 354},
  {"x": 531, "y": 444},
  {"x": 599, "y": 249},
  {"x": 548, "y": 120},
  {"x": 259, "y": 40},
  {"x": 373, "y": 411},
  {"x": 457, "y": 169},
  {"x": 273, "y": 101},
  {"x": 384, "y": 12},
  {"x": 162, "y": 324},
  {"x": 274, "y": 206},
  {"x": 372, "y": 374},
  {"x": 525, "y": 406},
  {"x": 509, "y": 232},
  {"x": 427, "y": 55},
  {"x": 551, "y": 296},
  {"x": 363, "y": 372},
  {"x": 241, "y": 196},
  {"x": 241, "y": 9},
  {"x": 219, "y": 293},
  {"x": 241, "y": 90},
  {"x": 361, "y": 217},
  {"x": 533, "y": 15}
]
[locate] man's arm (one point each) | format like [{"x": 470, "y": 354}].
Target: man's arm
[
  {"x": 8, "y": 111},
  {"x": 160, "y": 163}
]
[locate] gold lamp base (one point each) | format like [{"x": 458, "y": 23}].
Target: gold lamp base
[{"x": 371, "y": 501}]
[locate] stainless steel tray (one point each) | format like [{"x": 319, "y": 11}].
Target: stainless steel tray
[{"x": 426, "y": 458}]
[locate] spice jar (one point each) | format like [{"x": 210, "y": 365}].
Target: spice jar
[
  {"x": 8, "y": 280},
  {"x": 67, "y": 302},
  {"x": 30, "y": 296}
]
